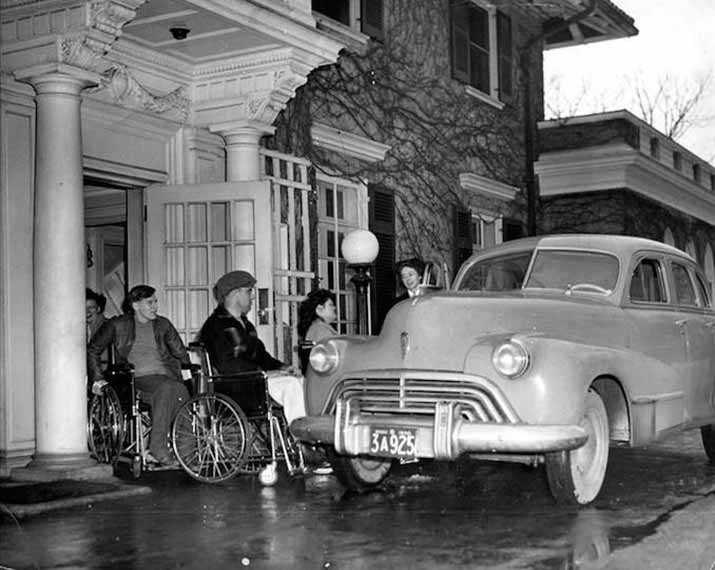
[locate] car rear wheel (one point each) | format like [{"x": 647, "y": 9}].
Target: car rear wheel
[
  {"x": 359, "y": 474},
  {"x": 707, "y": 433},
  {"x": 575, "y": 477}
]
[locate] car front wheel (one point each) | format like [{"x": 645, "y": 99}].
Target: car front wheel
[
  {"x": 359, "y": 474},
  {"x": 575, "y": 477},
  {"x": 707, "y": 433}
]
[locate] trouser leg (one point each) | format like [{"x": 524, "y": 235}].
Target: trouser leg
[
  {"x": 288, "y": 392},
  {"x": 165, "y": 396}
]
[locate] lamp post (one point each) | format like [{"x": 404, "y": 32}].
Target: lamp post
[{"x": 360, "y": 248}]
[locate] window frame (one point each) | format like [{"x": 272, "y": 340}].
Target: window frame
[
  {"x": 481, "y": 217},
  {"x": 663, "y": 278},
  {"x": 346, "y": 323},
  {"x": 494, "y": 47}
]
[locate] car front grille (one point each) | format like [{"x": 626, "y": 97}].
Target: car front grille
[{"x": 476, "y": 399}]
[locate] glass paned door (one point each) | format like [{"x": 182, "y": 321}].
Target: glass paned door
[{"x": 195, "y": 234}]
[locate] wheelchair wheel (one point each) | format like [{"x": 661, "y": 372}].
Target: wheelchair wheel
[
  {"x": 209, "y": 437},
  {"x": 105, "y": 426}
]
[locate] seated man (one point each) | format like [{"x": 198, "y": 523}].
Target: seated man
[
  {"x": 151, "y": 344},
  {"x": 233, "y": 344}
]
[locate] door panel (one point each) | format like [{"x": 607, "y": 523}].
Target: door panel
[{"x": 195, "y": 234}]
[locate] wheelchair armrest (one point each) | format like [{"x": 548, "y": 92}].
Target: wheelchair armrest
[{"x": 251, "y": 376}]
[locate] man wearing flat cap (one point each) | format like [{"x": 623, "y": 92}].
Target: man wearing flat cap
[{"x": 233, "y": 344}]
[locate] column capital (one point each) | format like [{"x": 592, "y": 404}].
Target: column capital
[
  {"x": 57, "y": 78},
  {"x": 235, "y": 132}
]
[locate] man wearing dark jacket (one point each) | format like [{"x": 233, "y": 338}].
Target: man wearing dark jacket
[
  {"x": 153, "y": 346},
  {"x": 233, "y": 344}
]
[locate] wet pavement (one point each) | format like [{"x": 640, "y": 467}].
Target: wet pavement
[{"x": 428, "y": 516}]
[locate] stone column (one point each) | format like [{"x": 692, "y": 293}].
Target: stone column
[
  {"x": 59, "y": 283},
  {"x": 242, "y": 148}
]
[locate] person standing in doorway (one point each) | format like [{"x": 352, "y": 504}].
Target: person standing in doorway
[{"x": 94, "y": 307}]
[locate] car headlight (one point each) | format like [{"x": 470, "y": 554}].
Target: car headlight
[
  {"x": 510, "y": 358},
  {"x": 324, "y": 358}
]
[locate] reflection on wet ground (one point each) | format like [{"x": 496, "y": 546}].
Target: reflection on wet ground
[{"x": 429, "y": 515}]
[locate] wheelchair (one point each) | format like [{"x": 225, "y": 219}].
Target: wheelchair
[
  {"x": 214, "y": 438},
  {"x": 118, "y": 423}
]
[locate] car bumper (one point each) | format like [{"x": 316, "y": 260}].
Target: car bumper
[{"x": 443, "y": 436}]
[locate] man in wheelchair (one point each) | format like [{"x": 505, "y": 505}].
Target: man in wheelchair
[
  {"x": 233, "y": 344},
  {"x": 153, "y": 346}
]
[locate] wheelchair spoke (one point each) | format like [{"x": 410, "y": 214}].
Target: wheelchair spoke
[{"x": 209, "y": 437}]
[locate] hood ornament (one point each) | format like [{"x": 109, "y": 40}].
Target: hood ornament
[{"x": 404, "y": 344}]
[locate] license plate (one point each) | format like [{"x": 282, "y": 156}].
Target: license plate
[{"x": 393, "y": 442}]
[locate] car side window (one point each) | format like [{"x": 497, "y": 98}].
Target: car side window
[
  {"x": 647, "y": 285},
  {"x": 684, "y": 289},
  {"x": 703, "y": 290}
]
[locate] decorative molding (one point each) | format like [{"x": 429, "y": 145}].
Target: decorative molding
[
  {"x": 347, "y": 143},
  {"x": 621, "y": 167},
  {"x": 78, "y": 35},
  {"x": 121, "y": 174},
  {"x": 243, "y": 90},
  {"x": 126, "y": 90},
  {"x": 483, "y": 185}
]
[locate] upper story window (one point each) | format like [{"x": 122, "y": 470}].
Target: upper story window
[
  {"x": 696, "y": 173},
  {"x": 677, "y": 160},
  {"x": 482, "y": 47},
  {"x": 365, "y": 16},
  {"x": 655, "y": 147}
]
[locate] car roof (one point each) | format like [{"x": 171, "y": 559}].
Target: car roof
[{"x": 623, "y": 246}]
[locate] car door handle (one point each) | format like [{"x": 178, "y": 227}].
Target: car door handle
[{"x": 681, "y": 322}]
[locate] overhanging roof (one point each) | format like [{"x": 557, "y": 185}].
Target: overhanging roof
[{"x": 574, "y": 22}]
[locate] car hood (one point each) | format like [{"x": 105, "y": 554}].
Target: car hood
[{"x": 437, "y": 331}]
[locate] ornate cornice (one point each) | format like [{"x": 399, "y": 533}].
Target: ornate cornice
[
  {"x": 243, "y": 90},
  {"x": 78, "y": 34},
  {"x": 621, "y": 167}
]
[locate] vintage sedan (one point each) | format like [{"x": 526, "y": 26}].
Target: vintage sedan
[{"x": 546, "y": 350}]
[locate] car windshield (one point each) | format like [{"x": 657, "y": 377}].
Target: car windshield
[
  {"x": 572, "y": 270},
  {"x": 504, "y": 273}
]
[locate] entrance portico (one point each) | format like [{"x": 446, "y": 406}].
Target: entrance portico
[{"x": 64, "y": 56}]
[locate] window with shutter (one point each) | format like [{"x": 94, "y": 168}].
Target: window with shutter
[
  {"x": 463, "y": 239},
  {"x": 481, "y": 50},
  {"x": 382, "y": 224}
]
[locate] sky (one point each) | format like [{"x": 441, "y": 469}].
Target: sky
[{"x": 676, "y": 39}]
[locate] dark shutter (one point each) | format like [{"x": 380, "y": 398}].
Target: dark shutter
[
  {"x": 382, "y": 224},
  {"x": 504, "y": 51},
  {"x": 463, "y": 239},
  {"x": 459, "y": 19},
  {"x": 372, "y": 22},
  {"x": 512, "y": 229}
]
